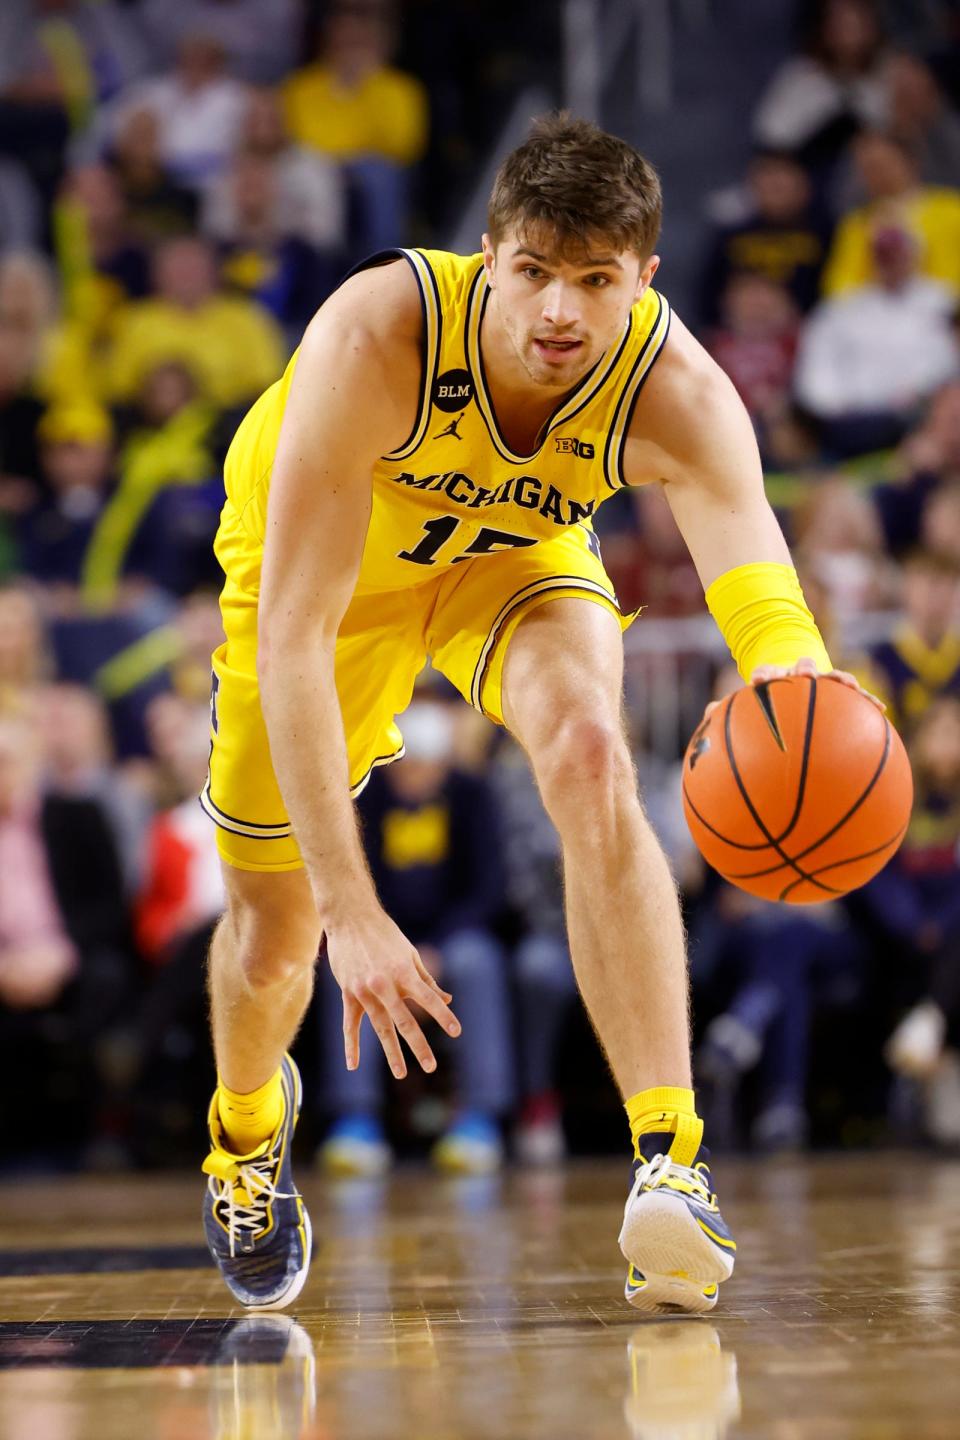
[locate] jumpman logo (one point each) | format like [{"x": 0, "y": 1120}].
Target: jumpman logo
[{"x": 452, "y": 428}]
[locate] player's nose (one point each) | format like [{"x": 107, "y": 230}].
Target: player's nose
[{"x": 560, "y": 305}]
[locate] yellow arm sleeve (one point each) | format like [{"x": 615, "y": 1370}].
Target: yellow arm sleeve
[{"x": 763, "y": 617}]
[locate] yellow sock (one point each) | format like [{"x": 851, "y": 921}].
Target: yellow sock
[
  {"x": 249, "y": 1120},
  {"x": 670, "y": 1110}
]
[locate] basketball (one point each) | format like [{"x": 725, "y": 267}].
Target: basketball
[{"x": 798, "y": 789}]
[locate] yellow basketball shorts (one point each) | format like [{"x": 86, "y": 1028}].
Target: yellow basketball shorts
[{"x": 463, "y": 621}]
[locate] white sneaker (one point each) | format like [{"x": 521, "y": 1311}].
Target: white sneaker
[{"x": 917, "y": 1043}]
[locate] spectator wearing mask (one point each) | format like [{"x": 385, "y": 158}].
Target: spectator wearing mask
[
  {"x": 354, "y": 107},
  {"x": 818, "y": 99},
  {"x": 431, "y": 834},
  {"x": 781, "y": 237},
  {"x": 916, "y": 899},
  {"x": 838, "y": 539},
  {"x": 921, "y": 660},
  {"x": 231, "y": 344},
  {"x": 868, "y": 359},
  {"x": 198, "y": 107},
  {"x": 889, "y": 174}
]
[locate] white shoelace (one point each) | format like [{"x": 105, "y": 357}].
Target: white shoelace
[
  {"x": 256, "y": 1178},
  {"x": 657, "y": 1170}
]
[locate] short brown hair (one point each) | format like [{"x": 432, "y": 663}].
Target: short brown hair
[{"x": 580, "y": 182}]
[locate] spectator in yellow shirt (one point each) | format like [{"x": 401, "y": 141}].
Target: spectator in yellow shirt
[
  {"x": 889, "y": 174},
  {"x": 230, "y": 344},
  {"x": 353, "y": 106}
]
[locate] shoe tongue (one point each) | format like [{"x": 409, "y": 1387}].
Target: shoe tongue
[{"x": 659, "y": 1142}]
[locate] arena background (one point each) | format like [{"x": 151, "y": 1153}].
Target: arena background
[{"x": 181, "y": 185}]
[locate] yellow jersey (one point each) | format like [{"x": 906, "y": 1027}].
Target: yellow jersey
[{"x": 455, "y": 490}]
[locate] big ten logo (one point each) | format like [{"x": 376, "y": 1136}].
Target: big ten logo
[
  {"x": 569, "y": 445},
  {"x": 453, "y": 390}
]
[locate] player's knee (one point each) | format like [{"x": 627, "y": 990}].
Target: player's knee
[
  {"x": 272, "y": 950},
  {"x": 582, "y": 752}
]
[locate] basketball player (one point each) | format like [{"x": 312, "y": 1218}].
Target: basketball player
[{"x": 421, "y": 483}]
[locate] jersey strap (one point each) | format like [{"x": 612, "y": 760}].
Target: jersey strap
[{"x": 623, "y": 413}]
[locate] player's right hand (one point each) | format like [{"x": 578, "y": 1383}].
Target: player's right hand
[{"x": 379, "y": 972}]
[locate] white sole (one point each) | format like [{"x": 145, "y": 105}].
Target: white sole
[
  {"x": 669, "y": 1295},
  {"x": 661, "y": 1238},
  {"x": 298, "y": 1281}
]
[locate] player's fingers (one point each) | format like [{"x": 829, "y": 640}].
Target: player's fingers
[
  {"x": 763, "y": 673},
  {"x": 431, "y": 980},
  {"x": 412, "y": 1034},
  {"x": 806, "y": 666},
  {"x": 380, "y": 1019},
  {"x": 845, "y": 678},
  {"x": 352, "y": 1015},
  {"x": 435, "y": 1007}
]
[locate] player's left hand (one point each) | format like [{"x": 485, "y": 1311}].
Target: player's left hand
[{"x": 807, "y": 666}]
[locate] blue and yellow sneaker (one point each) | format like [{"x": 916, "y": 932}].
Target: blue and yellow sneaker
[
  {"x": 674, "y": 1238},
  {"x": 254, "y": 1218}
]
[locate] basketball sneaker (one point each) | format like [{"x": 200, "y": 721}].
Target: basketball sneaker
[
  {"x": 674, "y": 1238},
  {"x": 254, "y": 1218}
]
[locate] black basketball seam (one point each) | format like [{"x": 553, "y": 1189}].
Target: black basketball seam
[
  {"x": 850, "y": 860},
  {"x": 775, "y": 843},
  {"x": 739, "y": 844},
  {"x": 755, "y": 874},
  {"x": 734, "y": 844}
]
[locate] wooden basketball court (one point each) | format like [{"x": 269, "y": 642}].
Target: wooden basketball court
[{"x": 455, "y": 1310}]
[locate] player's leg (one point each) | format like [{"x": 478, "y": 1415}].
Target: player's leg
[
  {"x": 561, "y": 696},
  {"x": 264, "y": 952},
  {"x": 562, "y": 680},
  {"x": 260, "y": 974}
]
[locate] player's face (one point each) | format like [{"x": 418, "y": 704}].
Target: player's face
[{"x": 560, "y": 313}]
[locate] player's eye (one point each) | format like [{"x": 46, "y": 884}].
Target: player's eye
[
  {"x": 532, "y": 272},
  {"x": 597, "y": 282}
]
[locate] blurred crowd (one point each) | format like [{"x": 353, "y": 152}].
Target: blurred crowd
[{"x": 182, "y": 182}]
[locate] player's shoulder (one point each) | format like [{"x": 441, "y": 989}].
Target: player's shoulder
[
  {"x": 381, "y": 295},
  {"x": 685, "y": 383},
  {"x": 687, "y": 405}
]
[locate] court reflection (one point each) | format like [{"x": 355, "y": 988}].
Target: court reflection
[
  {"x": 255, "y": 1396},
  {"x": 683, "y": 1384}
]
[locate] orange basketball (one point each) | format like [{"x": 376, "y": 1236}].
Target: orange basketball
[{"x": 797, "y": 789}]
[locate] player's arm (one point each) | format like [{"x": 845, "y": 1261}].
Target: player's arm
[
  {"x": 691, "y": 433},
  {"x": 353, "y": 398}
]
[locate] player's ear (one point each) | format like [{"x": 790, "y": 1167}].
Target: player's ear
[
  {"x": 489, "y": 258},
  {"x": 648, "y": 269}
]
